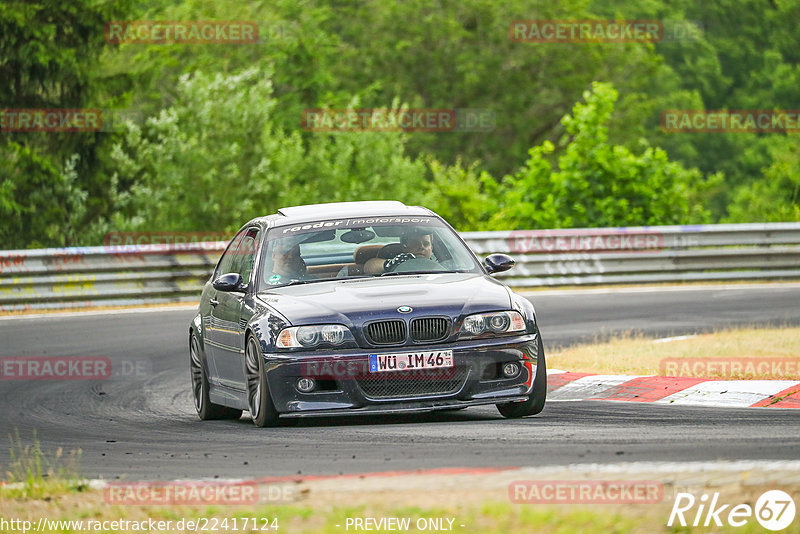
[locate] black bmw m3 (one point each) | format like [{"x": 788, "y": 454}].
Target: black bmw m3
[{"x": 360, "y": 307}]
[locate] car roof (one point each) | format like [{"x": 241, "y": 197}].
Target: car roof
[{"x": 333, "y": 210}]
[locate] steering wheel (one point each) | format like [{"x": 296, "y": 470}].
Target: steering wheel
[
  {"x": 412, "y": 263},
  {"x": 391, "y": 264}
]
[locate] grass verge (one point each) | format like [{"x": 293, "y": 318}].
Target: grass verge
[
  {"x": 461, "y": 503},
  {"x": 45, "y": 494},
  {"x": 638, "y": 355},
  {"x": 35, "y": 474}
]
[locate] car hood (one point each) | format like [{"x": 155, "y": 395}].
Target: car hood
[{"x": 355, "y": 301}]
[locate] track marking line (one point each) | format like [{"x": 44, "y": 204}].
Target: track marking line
[{"x": 656, "y": 289}]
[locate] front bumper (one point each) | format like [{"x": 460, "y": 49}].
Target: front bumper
[{"x": 346, "y": 387}]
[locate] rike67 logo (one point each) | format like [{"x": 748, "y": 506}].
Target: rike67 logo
[{"x": 774, "y": 510}]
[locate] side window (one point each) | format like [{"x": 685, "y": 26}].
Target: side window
[
  {"x": 225, "y": 264},
  {"x": 246, "y": 254}
]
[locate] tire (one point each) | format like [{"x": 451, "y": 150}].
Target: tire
[
  {"x": 262, "y": 410},
  {"x": 535, "y": 403},
  {"x": 206, "y": 410}
]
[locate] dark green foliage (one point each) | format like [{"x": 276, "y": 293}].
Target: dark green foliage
[{"x": 216, "y": 136}]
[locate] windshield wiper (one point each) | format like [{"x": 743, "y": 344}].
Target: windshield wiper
[
  {"x": 299, "y": 282},
  {"x": 312, "y": 280},
  {"x": 398, "y": 273},
  {"x": 393, "y": 273}
]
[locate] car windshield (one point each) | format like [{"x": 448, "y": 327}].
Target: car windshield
[{"x": 355, "y": 248}]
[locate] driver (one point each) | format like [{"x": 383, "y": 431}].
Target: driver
[
  {"x": 286, "y": 263},
  {"x": 416, "y": 244}
]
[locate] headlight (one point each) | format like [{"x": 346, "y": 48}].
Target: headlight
[
  {"x": 496, "y": 323},
  {"x": 309, "y": 337}
]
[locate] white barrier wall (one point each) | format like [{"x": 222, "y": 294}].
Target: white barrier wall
[{"x": 118, "y": 275}]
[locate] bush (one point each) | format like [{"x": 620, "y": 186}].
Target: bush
[{"x": 596, "y": 184}]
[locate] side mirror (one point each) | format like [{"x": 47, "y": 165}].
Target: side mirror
[
  {"x": 497, "y": 263},
  {"x": 228, "y": 282}
]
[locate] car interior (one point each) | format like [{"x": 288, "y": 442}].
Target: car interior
[
  {"x": 327, "y": 254},
  {"x": 361, "y": 257}
]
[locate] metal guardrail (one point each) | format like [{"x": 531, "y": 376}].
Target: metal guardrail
[
  {"x": 119, "y": 275},
  {"x": 97, "y": 276},
  {"x": 651, "y": 254}
]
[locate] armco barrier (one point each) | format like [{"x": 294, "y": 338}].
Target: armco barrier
[
  {"x": 96, "y": 276},
  {"x": 646, "y": 254}
]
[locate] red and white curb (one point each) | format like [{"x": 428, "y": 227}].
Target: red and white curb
[{"x": 567, "y": 386}]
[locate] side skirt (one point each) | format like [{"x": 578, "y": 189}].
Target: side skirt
[{"x": 226, "y": 396}]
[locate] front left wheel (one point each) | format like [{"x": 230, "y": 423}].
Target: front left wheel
[
  {"x": 206, "y": 409},
  {"x": 535, "y": 402},
  {"x": 262, "y": 410}
]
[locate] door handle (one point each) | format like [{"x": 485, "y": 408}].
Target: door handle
[{"x": 213, "y": 302}]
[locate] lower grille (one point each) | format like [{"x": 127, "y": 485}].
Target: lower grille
[{"x": 416, "y": 383}]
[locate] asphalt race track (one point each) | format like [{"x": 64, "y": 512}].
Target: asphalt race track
[{"x": 142, "y": 425}]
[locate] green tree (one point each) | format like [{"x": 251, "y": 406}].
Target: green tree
[
  {"x": 458, "y": 54},
  {"x": 597, "y": 184},
  {"x": 462, "y": 195},
  {"x": 48, "y": 54},
  {"x": 776, "y": 196},
  {"x": 215, "y": 159},
  {"x": 741, "y": 54}
]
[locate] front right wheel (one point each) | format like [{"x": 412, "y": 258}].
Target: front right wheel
[{"x": 262, "y": 410}]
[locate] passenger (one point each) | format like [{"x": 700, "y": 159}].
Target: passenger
[{"x": 287, "y": 264}]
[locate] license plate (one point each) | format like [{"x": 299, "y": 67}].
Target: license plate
[{"x": 380, "y": 363}]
